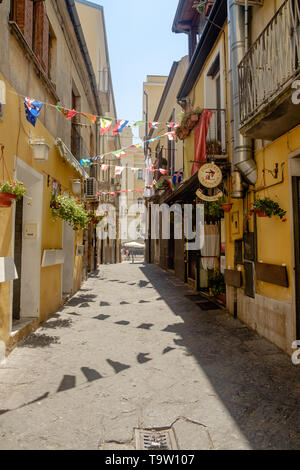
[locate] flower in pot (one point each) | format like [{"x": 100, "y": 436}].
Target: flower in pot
[
  {"x": 68, "y": 209},
  {"x": 11, "y": 191},
  {"x": 266, "y": 207},
  {"x": 217, "y": 284},
  {"x": 213, "y": 210},
  {"x": 226, "y": 206}
]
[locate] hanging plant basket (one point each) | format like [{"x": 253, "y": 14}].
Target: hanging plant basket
[
  {"x": 6, "y": 199},
  {"x": 11, "y": 191},
  {"x": 267, "y": 208},
  {"x": 226, "y": 206}
]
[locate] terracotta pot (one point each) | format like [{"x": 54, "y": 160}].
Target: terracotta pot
[
  {"x": 226, "y": 206},
  {"x": 260, "y": 213},
  {"x": 6, "y": 199}
]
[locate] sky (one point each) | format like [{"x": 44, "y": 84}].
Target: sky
[{"x": 141, "y": 43}]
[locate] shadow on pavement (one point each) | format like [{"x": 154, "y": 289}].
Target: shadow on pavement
[{"x": 254, "y": 379}]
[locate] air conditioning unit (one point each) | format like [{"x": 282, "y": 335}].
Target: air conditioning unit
[{"x": 91, "y": 188}]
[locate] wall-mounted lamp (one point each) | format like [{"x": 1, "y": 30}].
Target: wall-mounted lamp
[
  {"x": 40, "y": 149},
  {"x": 76, "y": 186}
]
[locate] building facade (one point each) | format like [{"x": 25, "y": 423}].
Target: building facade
[{"x": 44, "y": 57}]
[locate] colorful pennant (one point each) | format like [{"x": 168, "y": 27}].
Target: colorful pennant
[
  {"x": 119, "y": 126},
  {"x": 105, "y": 125},
  {"x": 32, "y": 110},
  {"x": 68, "y": 113}
]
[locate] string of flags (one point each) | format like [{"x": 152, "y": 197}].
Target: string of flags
[
  {"x": 33, "y": 108},
  {"x": 114, "y": 193},
  {"x": 122, "y": 152}
]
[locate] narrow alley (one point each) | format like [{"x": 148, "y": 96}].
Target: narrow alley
[{"x": 133, "y": 349}]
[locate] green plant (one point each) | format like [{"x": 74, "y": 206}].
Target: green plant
[
  {"x": 213, "y": 147},
  {"x": 186, "y": 116},
  {"x": 67, "y": 208},
  {"x": 267, "y": 207},
  {"x": 217, "y": 284},
  {"x": 200, "y": 7},
  {"x": 13, "y": 187},
  {"x": 214, "y": 209}
]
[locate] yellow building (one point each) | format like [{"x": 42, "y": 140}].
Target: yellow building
[
  {"x": 49, "y": 257},
  {"x": 253, "y": 136}
]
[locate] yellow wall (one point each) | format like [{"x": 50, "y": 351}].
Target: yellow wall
[{"x": 14, "y": 135}]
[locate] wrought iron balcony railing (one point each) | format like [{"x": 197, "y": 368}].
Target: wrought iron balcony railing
[{"x": 272, "y": 62}]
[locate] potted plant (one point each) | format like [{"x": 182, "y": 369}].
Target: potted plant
[
  {"x": 226, "y": 206},
  {"x": 217, "y": 286},
  {"x": 213, "y": 210},
  {"x": 213, "y": 147},
  {"x": 266, "y": 207},
  {"x": 67, "y": 208},
  {"x": 188, "y": 122},
  {"x": 11, "y": 191}
]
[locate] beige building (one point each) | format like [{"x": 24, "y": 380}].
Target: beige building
[
  {"x": 133, "y": 183},
  {"x": 152, "y": 91}
]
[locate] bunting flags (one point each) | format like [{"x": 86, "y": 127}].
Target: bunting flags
[
  {"x": 68, "y": 113},
  {"x": 153, "y": 125},
  {"x": 32, "y": 110},
  {"x": 104, "y": 167},
  {"x": 119, "y": 153},
  {"x": 174, "y": 125},
  {"x": 85, "y": 162},
  {"x": 119, "y": 126},
  {"x": 91, "y": 117},
  {"x": 105, "y": 125},
  {"x": 171, "y": 135},
  {"x": 139, "y": 123},
  {"x": 118, "y": 170}
]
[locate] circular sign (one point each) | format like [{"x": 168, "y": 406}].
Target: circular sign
[{"x": 210, "y": 175}]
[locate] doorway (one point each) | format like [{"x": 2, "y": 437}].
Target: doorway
[
  {"x": 296, "y": 211},
  {"x": 25, "y": 300},
  {"x": 68, "y": 266}
]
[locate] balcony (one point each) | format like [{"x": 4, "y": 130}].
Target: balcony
[
  {"x": 216, "y": 139},
  {"x": 265, "y": 76}
]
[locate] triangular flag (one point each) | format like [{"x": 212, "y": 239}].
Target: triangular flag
[
  {"x": 139, "y": 123},
  {"x": 119, "y": 153},
  {"x": 138, "y": 190},
  {"x": 119, "y": 169},
  {"x": 105, "y": 125},
  {"x": 85, "y": 162},
  {"x": 91, "y": 117},
  {"x": 119, "y": 126},
  {"x": 104, "y": 167},
  {"x": 163, "y": 171},
  {"x": 171, "y": 135},
  {"x": 68, "y": 113},
  {"x": 152, "y": 125},
  {"x": 32, "y": 110}
]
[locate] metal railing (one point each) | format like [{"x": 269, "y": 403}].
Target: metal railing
[
  {"x": 216, "y": 139},
  {"x": 272, "y": 62}
]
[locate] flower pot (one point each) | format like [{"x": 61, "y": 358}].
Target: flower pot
[
  {"x": 6, "y": 199},
  {"x": 260, "y": 213},
  {"x": 194, "y": 118},
  {"x": 226, "y": 206}
]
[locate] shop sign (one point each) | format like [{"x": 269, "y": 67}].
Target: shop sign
[
  {"x": 210, "y": 175},
  {"x": 204, "y": 197}
]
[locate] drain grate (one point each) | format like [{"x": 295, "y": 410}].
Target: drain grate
[{"x": 159, "y": 439}]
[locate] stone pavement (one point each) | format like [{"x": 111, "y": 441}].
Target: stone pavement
[{"x": 129, "y": 350}]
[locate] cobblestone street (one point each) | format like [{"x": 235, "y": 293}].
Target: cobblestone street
[{"x": 132, "y": 350}]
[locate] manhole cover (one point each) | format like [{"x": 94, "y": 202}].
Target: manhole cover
[{"x": 160, "y": 439}]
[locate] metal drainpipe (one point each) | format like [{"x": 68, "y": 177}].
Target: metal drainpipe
[{"x": 242, "y": 152}]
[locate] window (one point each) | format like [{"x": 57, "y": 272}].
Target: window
[
  {"x": 33, "y": 22},
  {"x": 140, "y": 203},
  {"x": 140, "y": 174}
]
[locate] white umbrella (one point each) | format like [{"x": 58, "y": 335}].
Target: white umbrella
[{"x": 134, "y": 245}]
